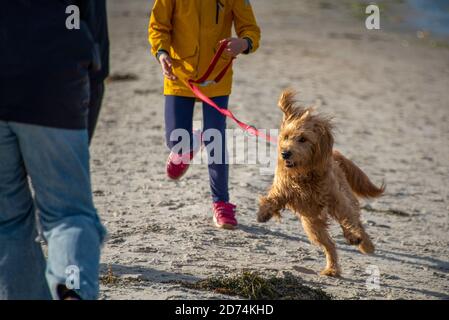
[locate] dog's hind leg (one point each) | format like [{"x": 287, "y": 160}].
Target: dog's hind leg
[
  {"x": 355, "y": 234},
  {"x": 348, "y": 216},
  {"x": 316, "y": 230}
]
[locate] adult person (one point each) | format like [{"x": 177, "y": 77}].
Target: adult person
[{"x": 44, "y": 98}]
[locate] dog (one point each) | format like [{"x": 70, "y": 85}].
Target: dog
[{"x": 317, "y": 183}]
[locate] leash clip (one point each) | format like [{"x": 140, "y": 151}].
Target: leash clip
[{"x": 207, "y": 82}]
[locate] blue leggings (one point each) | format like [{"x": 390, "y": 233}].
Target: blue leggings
[{"x": 179, "y": 115}]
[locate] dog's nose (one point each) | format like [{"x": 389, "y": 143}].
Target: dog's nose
[{"x": 286, "y": 154}]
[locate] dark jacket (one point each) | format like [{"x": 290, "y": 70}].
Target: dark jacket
[
  {"x": 99, "y": 28},
  {"x": 44, "y": 67}
]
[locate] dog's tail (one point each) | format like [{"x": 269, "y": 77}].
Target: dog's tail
[{"x": 358, "y": 180}]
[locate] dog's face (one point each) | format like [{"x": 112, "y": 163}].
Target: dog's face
[
  {"x": 297, "y": 142},
  {"x": 305, "y": 140}
]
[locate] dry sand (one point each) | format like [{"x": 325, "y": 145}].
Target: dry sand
[{"x": 389, "y": 94}]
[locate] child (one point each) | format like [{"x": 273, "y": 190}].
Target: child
[{"x": 184, "y": 36}]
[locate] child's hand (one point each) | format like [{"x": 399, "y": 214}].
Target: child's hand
[
  {"x": 235, "y": 47},
  {"x": 166, "y": 64}
]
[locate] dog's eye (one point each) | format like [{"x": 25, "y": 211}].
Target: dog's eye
[{"x": 302, "y": 139}]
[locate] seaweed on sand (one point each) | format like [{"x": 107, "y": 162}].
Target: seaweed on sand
[{"x": 253, "y": 286}]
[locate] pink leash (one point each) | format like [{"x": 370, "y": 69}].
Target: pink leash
[{"x": 192, "y": 84}]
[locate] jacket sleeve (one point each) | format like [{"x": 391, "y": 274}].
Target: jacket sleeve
[
  {"x": 160, "y": 26},
  {"x": 90, "y": 19},
  {"x": 98, "y": 25},
  {"x": 245, "y": 22}
]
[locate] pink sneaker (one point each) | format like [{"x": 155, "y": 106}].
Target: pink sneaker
[
  {"x": 178, "y": 164},
  {"x": 224, "y": 215}
]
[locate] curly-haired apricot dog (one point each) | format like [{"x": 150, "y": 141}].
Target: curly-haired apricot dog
[{"x": 317, "y": 183}]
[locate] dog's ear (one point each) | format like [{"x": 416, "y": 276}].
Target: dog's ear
[
  {"x": 323, "y": 149},
  {"x": 307, "y": 113},
  {"x": 327, "y": 143},
  {"x": 287, "y": 102}
]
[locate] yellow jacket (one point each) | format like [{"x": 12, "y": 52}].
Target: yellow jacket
[{"x": 190, "y": 31}]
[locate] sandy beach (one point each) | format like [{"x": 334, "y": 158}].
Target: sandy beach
[{"x": 389, "y": 95}]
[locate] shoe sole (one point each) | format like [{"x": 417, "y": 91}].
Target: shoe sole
[
  {"x": 225, "y": 226},
  {"x": 177, "y": 178}
]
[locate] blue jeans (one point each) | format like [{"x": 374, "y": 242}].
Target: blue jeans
[
  {"x": 179, "y": 115},
  {"x": 57, "y": 163}
]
